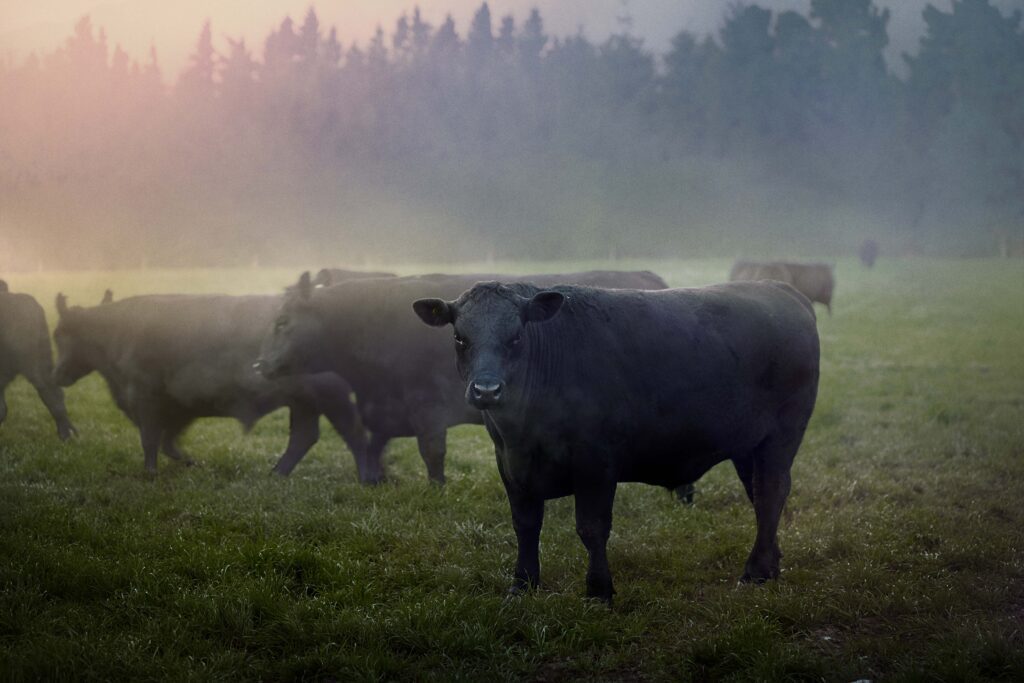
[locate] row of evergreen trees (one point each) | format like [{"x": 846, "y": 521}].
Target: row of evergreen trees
[{"x": 784, "y": 132}]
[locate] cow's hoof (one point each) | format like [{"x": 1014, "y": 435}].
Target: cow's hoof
[
  {"x": 759, "y": 577},
  {"x": 605, "y": 599},
  {"x": 66, "y": 432},
  {"x": 600, "y": 590},
  {"x": 684, "y": 493},
  {"x": 521, "y": 586}
]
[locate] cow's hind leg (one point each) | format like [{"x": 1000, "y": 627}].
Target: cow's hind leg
[
  {"x": 3, "y": 401},
  {"x": 371, "y": 469},
  {"x": 344, "y": 417},
  {"x": 745, "y": 470},
  {"x": 770, "y": 464},
  {"x": 432, "y": 449},
  {"x": 594, "y": 525},
  {"x": 53, "y": 399},
  {"x": 303, "y": 433},
  {"x": 170, "y": 443}
]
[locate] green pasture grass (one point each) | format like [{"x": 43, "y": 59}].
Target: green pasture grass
[{"x": 903, "y": 538}]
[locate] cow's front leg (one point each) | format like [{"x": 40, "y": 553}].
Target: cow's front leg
[
  {"x": 594, "y": 525},
  {"x": 527, "y": 519},
  {"x": 303, "y": 433}
]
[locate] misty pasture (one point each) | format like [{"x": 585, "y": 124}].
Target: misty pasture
[
  {"x": 795, "y": 130},
  {"x": 903, "y": 537}
]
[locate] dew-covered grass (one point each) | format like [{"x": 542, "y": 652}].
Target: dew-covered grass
[{"x": 903, "y": 539}]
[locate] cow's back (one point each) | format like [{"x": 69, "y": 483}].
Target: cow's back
[
  {"x": 760, "y": 270},
  {"x": 706, "y": 369},
  {"x": 24, "y": 335},
  {"x": 197, "y": 350},
  {"x": 815, "y": 280}
]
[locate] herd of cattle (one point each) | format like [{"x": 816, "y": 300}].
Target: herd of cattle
[{"x": 582, "y": 380}]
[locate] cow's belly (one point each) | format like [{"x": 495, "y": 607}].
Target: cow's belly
[
  {"x": 663, "y": 450},
  {"x": 413, "y": 415},
  {"x": 670, "y": 457}
]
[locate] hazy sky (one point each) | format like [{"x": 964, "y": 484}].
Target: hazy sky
[{"x": 172, "y": 25}]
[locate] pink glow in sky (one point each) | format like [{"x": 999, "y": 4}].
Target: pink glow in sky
[{"x": 172, "y": 27}]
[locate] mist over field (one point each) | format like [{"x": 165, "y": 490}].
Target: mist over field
[{"x": 791, "y": 130}]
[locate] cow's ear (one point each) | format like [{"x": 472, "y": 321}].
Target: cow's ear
[
  {"x": 434, "y": 312},
  {"x": 304, "y": 286},
  {"x": 108, "y": 298},
  {"x": 3, "y": 286},
  {"x": 62, "y": 304},
  {"x": 323, "y": 278},
  {"x": 543, "y": 306}
]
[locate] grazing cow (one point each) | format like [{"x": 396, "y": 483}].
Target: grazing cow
[
  {"x": 332, "y": 276},
  {"x": 868, "y": 252},
  {"x": 583, "y": 388},
  {"x": 170, "y": 359},
  {"x": 25, "y": 350},
  {"x": 404, "y": 380},
  {"x": 816, "y": 281}
]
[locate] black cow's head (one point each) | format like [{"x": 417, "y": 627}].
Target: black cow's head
[
  {"x": 77, "y": 353},
  {"x": 294, "y": 345},
  {"x": 491, "y": 336}
]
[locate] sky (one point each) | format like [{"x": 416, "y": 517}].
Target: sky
[{"x": 172, "y": 27}]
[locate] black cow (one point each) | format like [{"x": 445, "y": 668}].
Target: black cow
[
  {"x": 332, "y": 276},
  {"x": 25, "y": 350},
  {"x": 404, "y": 380},
  {"x": 582, "y": 388},
  {"x": 170, "y": 359}
]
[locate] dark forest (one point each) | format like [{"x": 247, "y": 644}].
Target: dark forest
[{"x": 781, "y": 133}]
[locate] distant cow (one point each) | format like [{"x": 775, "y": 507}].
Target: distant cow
[
  {"x": 25, "y": 350},
  {"x": 868, "y": 252},
  {"x": 404, "y": 380},
  {"x": 816, "y": 281},
  {"x": 332, "y": 276},
  {"x": 170, "y": 359},
  {"x": 583, "y": 388}
]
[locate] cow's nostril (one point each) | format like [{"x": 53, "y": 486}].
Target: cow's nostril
[{"x": 490, "y": 391}]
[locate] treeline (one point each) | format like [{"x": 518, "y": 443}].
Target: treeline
[{"x": 783, "y": 133}]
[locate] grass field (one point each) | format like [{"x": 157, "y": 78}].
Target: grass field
[{"x": 903, "y": 538}]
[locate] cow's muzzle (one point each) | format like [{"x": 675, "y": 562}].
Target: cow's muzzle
[
  {"x": 265, "y": 368},
  {"x": 485, "y": 394}
]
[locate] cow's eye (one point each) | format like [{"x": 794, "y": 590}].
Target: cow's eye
[
  {"x": 280, "y": 324},
  {"x": 460, "y": 341},
  {"x": 514, "y": 341}
]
